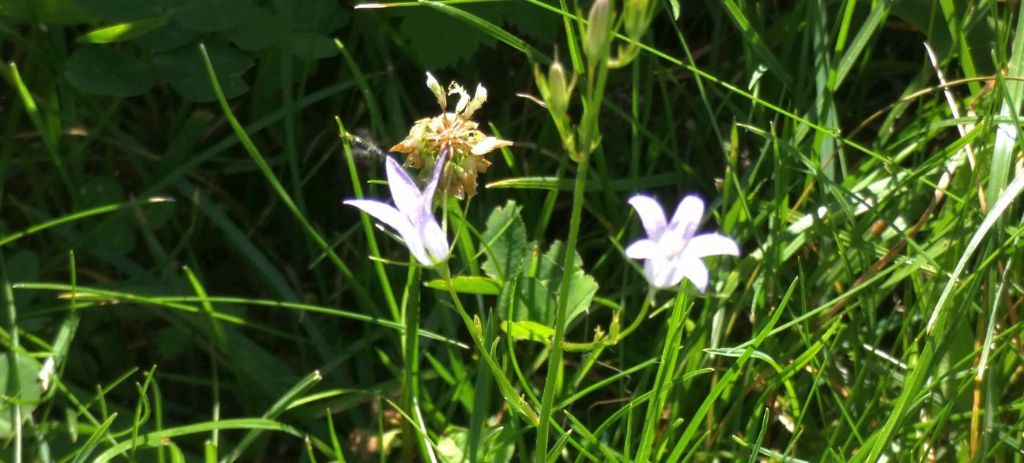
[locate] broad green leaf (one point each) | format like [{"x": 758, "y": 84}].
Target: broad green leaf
[
  {"x": 109, "y": 72},
  {"x": 432, "y": 37},
  {"x": 22, "y": 389},
  {"x": 499, "y": 445},
  {"x": 533, "y": 21},
  {"x": 582, "y": 287},
  {"x": 183, "y": 69},
  {"x": 116, "y": 236},
  {"x": 173, "y": 35},
  {"x": 210, "y": 15},
  {"x": 504, "y": 242},
  {"x": 123, "y": 31},
  {"x": 536, "y": 296},
  {"x": 258, "y": 29},
  {"x": 23, "y": 266},
  {"x": 311, "y": 46},
  {"x": 322, "y": 16},
  {"x": 120, "y": 10},
  {"x": 46, "y": 11},
  {"x": 468, "y": 285}
]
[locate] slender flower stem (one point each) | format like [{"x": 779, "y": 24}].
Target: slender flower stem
[
  {"x": 411, "y": 378},
  {"x": 669, "y": 356},
  {"x": 553, "y": 380},
  {"x": 515, "y": 401},
  {"x": 636, "y": 322}
]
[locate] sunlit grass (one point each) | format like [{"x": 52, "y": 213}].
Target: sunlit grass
[{"x": 188, "y": 271}]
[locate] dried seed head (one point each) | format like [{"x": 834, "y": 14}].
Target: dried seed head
[{"x": 454, "y": 133}]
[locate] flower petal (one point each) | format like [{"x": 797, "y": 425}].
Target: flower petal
[
  {"x": 695, "y": 271},
  {"x": 404, "y": 191},
  {"x": 427, "y": 197},
  {"x": 489, "y": 144},
  {"x": 651, "y": 215},
  {"x": 463, "y": 97},
  {"x": 397, "y": 221},
  {"x": 438, "y": 91},
  {"x": 687, "y": 216},
  {"x": 642, "y": 249},
  {"x": 662, "y": 274},
  {"x": 711, "y": 244},
  {"x": 435, "y": 242},
  {"x": 479, "y": 97}
]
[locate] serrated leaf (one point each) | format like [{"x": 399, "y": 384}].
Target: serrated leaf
[
  {"x": 22, "y": 389},
  {"x": 119, "y": 10},
  {"x": 183, "y": 69},
  {"x": 540, "y": 25},
  {"x": 504, "y": 242},
  {"x": 536, "y": 296},
  {"x": 437, "y": 40},
  {"x": 468, "y": 285},
  {"x": 210, "y": 15},
  {"x": 106, "y": 71},
  {"x": 258, "y": 29},
  {"x": 311, "y": 46},
  {"x": 123, "y": 31}
]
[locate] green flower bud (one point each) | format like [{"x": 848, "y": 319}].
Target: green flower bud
[
  {"x": 558, "y": 90},
  {"x": 634, "y": 16},
  {"x": 598, "y": 29}
]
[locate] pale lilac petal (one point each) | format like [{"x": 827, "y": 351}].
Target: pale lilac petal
[
  {"x": 711, "y": 244},
  {"x": 435, "y": 242},
  {"x": 662, "y": 274},
  {"x": 404, "y": 191},
  {"x": 435, "y": 176},
  {"x": 695, "y": 271},
  {"x": 651, "y": 215},
  {"x": 383, "y": 212},
  {"x": 397, "y": 221},
  {"x": 642, "y": 249},
  {"x": 687, "y": 216}
]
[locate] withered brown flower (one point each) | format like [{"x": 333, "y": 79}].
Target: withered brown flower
[{"x": 455, "y": 133}]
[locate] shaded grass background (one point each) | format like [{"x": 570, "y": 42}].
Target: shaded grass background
[{"x": 817, "y": 131}]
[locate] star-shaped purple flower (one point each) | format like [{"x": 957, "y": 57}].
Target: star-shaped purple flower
[
  {"x": 673, "y": 251},
  {"x": 411, "y": 217}
]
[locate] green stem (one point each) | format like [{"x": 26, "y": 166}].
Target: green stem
[
  {"x": 613, "y": 338},
  {"x": 411, "y": 354},
  {"x": 553, "y": 380},
  {"x": 515, "y": 401},
  {"x": 371, "y": 240},
  {"x": 669, "y": 357}
]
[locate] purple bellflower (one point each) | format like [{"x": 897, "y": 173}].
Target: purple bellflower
[
  {"x": 673, "y": 251},
  {"x": 411, "y": 216}
]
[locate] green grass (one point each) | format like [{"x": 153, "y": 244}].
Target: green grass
[{"x": 173, "y": 243}]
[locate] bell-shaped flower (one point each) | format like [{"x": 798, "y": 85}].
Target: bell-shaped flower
[
  {"x": 672, "y": 250},
  {"x": 411, "y": 216}
]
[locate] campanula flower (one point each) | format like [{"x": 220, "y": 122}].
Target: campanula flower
[
  {"x": 673, "y": 251},
  {"x": 411, "y": 217}
]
